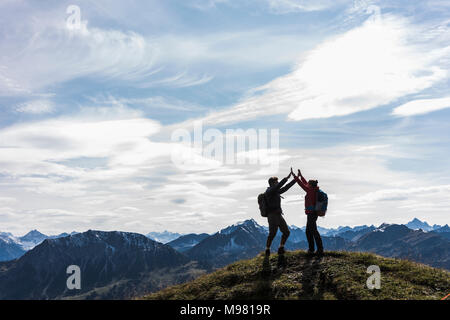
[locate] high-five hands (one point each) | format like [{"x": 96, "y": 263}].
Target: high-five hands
[
  {"x": 293, "y": 174},
  {"x": 290, "y": 174}
]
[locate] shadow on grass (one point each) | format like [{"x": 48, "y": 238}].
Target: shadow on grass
[
  {"x": 264, "y": 285},
  {"x": 309, "y": 270},
  {"x": 281, "y": 262},
  {"x": 313, "y": 284}
]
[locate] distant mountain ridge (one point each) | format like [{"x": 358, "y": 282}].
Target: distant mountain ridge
[
  {"x": 398, "y": 241},
  {"x": 187, "y": 241},
  {"x": 246, "y": 239},
  {"x": 12, "y": 247},
  {"x": 239, "y": 241}
]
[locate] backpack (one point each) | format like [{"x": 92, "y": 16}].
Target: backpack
[
  {"x": 321, "y": 203},
  {"x": 262, "y": 204}
]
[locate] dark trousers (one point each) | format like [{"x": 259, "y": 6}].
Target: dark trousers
[
  {"x": 276, "y": 221},
  {"x": 312, "y": 234}
]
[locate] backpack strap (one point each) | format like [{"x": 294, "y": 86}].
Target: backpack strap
[{"x": 317, "y": 200}]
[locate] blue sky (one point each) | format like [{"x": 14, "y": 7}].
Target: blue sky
[{"x": 357, "y": 89}]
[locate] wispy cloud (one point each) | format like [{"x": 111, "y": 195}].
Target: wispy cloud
[
  {"x": 56, "y": 54},
  {"x": 180, "y": 80},
  {"x": 36, "y": 107},
  {"x": 51, "y": 54},
  {"x": 289, "y": 6},
  {"x": 146, "y": 103}
]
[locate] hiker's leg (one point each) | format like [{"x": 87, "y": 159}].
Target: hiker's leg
[
  {"x": 273, "y": 226},
  {"x": 285, "y": 230},
  {"x": 316, "y": 235},
  {"x": 309, "y": 232}
]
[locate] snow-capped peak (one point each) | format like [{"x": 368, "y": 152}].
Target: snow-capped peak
[
  {"x": 416, "y": 224},
  {"x": 247, "y": 224}
]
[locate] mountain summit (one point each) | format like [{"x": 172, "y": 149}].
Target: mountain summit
[
  {"x": 337, "y": 275},
  {"x": 416, "y": 224}
]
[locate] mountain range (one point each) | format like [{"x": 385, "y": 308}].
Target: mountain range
[
  {"x": 245, "y": 240},
  {"x": 12, "y": 247},
  {"x": 118, "y": 265}
]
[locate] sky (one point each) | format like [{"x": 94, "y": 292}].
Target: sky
[{"x": 100, "y": 101}]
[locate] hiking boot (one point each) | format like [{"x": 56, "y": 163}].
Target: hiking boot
[
  {"x": 309, "y": 253},
  {"x": 319, "y": 253},
  {"x": 281, "y": 250},
  {"x": 267, "y": 252}
]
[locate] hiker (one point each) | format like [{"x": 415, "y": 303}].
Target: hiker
[
  {"x": 274, "y": 212},
  {"x": 312, "y": 234}
]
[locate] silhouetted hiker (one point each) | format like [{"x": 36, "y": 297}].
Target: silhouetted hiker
[
  {"x": 274, "y": 212},
  {"x": 312, "y": 234}
]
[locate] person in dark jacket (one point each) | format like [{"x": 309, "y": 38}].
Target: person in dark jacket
[
  {"x": 274, "y": 212},
  {"x": 312, "y": 234}
]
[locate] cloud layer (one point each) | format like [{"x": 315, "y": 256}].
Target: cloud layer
[{"x": 87, "y": 114}]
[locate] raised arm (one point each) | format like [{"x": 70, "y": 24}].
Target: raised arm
[
  {"x": 278, "y": 186},
  {"x": 301, "y": 177},
  {"x": 287, "y": 187},
  {"x": 274, "y": 188},
  {"x": 301, "y": 181}
]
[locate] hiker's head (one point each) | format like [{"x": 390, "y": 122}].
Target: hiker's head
[
  {"x": 273, "y": 181},
  {"x": 313, "y": 183}
]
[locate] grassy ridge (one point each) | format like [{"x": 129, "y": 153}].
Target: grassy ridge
[{"x": 337, "y": 275}]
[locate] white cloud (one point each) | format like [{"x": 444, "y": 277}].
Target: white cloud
[
  {"x": 422, "y": 106},
  {"x": 38, "y": 146}
]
